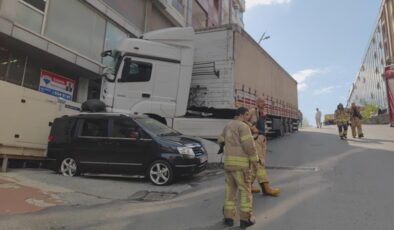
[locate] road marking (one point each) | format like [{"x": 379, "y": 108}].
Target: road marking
[{"x": 301, "y": 168}]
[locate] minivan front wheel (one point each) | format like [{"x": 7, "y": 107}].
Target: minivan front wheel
[
  {"x": 69, "y": 167},
  {"x": 160, "y": 173}
]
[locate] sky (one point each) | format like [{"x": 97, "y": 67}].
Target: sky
[{"x": 321, "y": 43}]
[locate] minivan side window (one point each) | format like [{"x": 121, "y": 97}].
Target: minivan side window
[
  {"x": 124, "y": 128},
  {"x": 95, "y": 128},
  {"x": 136, "y": 71}
]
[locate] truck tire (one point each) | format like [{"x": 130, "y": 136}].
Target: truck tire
[{"x": 93, "y": 106}]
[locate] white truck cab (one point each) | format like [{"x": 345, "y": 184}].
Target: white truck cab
[{"x": 151, "y": 75}]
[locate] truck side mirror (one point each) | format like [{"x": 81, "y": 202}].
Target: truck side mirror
[{"x": 108, "y": 74}]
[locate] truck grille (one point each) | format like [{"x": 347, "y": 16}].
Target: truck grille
[{"x": 198, "y": 151}]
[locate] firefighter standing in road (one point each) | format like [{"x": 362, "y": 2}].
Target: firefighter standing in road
[
  {"x": 259, "y": 172},
  {"x": 258, "y": 115},
  {"x": 342, "y": 119},
  {"x": 257, "y": 119},
  {"x": 239, "y": 156},
  {"x": 355, "y": 120}
]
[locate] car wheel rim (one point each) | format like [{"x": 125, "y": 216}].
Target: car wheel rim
[
  {"x": 68, "y": 167},
  {"x": 159, "y": 173}
]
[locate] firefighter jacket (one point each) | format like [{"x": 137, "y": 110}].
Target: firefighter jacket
[
  {"x": 342, "y": 116},
  {"x": 240, "y": 150}
]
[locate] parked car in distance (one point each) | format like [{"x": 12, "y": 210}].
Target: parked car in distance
[{"x": 118, "y": 144}]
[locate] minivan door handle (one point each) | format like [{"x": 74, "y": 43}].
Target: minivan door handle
[{"x": 145, "y": 95}]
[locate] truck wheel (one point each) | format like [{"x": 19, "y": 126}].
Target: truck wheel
[
  {"x": 160, "y": 173},
  {"x": 69, "y": 167}
]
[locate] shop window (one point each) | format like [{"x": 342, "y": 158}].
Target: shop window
[
  {"x": 16, "y": 68},
  {"x": 134, "y": 71},
  {"x": 4, "y": 59},
  {"x": 32, "y": 74},
  {"x": 76, "y": 26}
]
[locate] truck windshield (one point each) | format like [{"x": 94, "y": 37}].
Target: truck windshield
[{"x": 156, "y": 127}]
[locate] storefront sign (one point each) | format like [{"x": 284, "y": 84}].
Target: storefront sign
[{"x": 56, "y": 85}]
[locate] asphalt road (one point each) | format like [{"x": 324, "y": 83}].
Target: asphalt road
[{"x": 326, "y": 183}]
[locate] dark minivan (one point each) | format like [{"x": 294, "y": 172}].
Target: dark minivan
[{"x": 108, "y": 143}]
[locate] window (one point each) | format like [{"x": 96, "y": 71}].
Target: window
[
  {"x": 76, "y": 26},
  {"x": 4, "y": 58},
  {"x": 16, "y": 68},
  {"x": 38, "y": 4},
  {"x": 134, "y": 71},
  {"x": 95, "y": 128},
  {"x": 199, "y": 16},
  {"x": 378, "y": 85},
  {"x": 124, "y": 128},
  {"x": 32, "y": 74},
  {"x": 30, "y": 13},
  {"x": 113, "y": 35}
]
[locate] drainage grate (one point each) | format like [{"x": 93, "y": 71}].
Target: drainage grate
[
  {"x": 300, "y": 168},
  {"x": 153, "y": 196}
]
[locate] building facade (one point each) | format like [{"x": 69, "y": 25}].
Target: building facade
[
  {"x": 213, "y": 13},
  {"x": 369, "y": 85},
  {"x": 64, "y": 39}
]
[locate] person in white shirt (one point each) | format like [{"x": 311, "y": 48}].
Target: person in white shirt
[{"x": 318, "y": 118}]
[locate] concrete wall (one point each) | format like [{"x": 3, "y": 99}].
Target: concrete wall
[
  {"x": 133, "y": 11},
  {"x": 157, "y": 20}
]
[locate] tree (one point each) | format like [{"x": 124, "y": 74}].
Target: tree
[{"x": 368, "y": 109}]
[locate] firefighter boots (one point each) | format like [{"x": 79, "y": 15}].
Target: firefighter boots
[
  {"x": 268, "y": 190},
  {"x": 246, "y": 223}
]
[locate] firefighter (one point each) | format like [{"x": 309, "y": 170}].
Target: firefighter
[
  {"x": 355, "y": 120},
  {"x": 259, "y": 172},
  {"x": 239, "y": 156},
  {"x": 342, "y": 119},
  {"x": 258, "y": 115}
]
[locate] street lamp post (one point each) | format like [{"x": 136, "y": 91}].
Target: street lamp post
[{"x": 263, "y": 37}]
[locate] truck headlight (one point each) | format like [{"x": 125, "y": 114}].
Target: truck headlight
[{"x": 186, "y": 152}]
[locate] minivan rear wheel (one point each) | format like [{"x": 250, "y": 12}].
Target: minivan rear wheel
[
  {"x": 69, "y": 167},
  {"x": 160, "y": 173}
]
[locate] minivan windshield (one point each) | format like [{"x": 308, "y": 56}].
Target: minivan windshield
[{"x": 156, "y": 127}]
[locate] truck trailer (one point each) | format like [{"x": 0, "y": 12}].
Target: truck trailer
[{"x": 191, "y": 81}]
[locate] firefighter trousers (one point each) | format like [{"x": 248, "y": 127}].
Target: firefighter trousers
[
  {"x": 342, "y": 129},
  {"x": 356, "y": 125},
  {"x": 238, "y": 182},
  {"x": 259, "y": 173}
]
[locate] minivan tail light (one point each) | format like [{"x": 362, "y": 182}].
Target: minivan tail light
[{"x": 50, "y": 138}]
